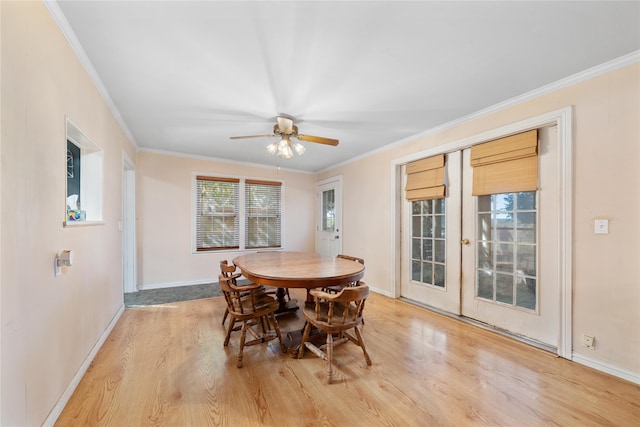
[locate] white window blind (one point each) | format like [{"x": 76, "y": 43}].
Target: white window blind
[
  {"x": 263, "y": 214},
  {"x": 217, "y": 213}
]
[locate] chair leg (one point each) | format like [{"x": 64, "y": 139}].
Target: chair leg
[
  {"x": 277, "y": 329},
  {"x": 329, "y": 351},
  {"x": 361, "y": 344},
  {"x": 224, "y": 317},
  {"x": 243, "y": 336},
  {"x": 264, "y": 324},
  {"x": 305, "y": 337},
  {"x": 232, "y": 322}
]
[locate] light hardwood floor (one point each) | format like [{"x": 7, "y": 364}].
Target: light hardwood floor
[{"x": 166, "y": 366}]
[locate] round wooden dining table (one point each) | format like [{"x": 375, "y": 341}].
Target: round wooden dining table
[
  {"x": 284, "y": 269},
  {"x": 298, "y": 269}
]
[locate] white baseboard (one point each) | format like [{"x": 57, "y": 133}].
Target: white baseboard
[
  {"x": 631, "y": 376},
  {"x": 380, "y": 291},
  {"x": 62, "y": 402},
  {"x": 176, "y": 284}
]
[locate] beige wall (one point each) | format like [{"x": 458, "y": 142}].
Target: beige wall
[
  {"x": 606, "y": 280},
  {"x": 50, "y": 324},
  {"x": 164, "y": 193}
]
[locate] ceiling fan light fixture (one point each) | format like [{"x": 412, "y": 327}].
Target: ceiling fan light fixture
[
  {"x": 282, "y": 148},
  {"x": 285, "y": 129},
  {"x": 272, "y": 148},
  {"x": 285, "y": 151},
  {"x": 299, "y": 148}
]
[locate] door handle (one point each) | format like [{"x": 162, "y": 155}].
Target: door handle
[{"x": 464, "y": 242}]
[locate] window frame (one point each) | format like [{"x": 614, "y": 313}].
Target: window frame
[
  {"x": 494, "y": 241},
  {"x": 242, "y": 213},
  {"x": 91, "y": 195},
  {"x": 265, "y": 216}
]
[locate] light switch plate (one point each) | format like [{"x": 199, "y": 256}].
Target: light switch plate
[{"x": 601, "y": 226}]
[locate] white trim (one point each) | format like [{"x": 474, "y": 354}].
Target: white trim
[
  {"x": 338, "y": 180},
  {"x": 64, "y": 399},
  {"x": 221, "y": 160},
  {"x": 563, "y": 119},
  {"x": 91, "y": 174},
  {"x": 625, "y": 374},
  {"x": 76, "y": 46},
  {"x": 177, "y": 284},
  {"x": 72, "y": 224},
  {"x": 127, "y": 225},
  {"x": 380, "y": 291},
  {"x": 565, "y": 232}
]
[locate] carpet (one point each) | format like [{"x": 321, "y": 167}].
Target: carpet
[{"x": 169, "y": 295}]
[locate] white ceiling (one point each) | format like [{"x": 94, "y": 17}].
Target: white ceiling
[{"x": 185, "y": 76}]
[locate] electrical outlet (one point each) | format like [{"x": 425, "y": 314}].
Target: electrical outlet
[{"x": 589, "y": 341}]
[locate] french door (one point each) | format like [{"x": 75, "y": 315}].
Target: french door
[
  {"x": 430, "y": 252},
  {"x": 498, "y": 252}
]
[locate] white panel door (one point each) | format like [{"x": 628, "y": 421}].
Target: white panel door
[{"x": 329, "y": 217}]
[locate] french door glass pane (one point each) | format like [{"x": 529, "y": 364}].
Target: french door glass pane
[
  {"x": 506, "y": 258},
  {"x": 427, "y": 243}
]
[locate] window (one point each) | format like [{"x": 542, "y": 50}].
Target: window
[
  {"x": 262, "y": 214},
  {"x": 83, "y": 198},
  {"x": 329, "y": 210},
  {"x": 219, "y": 223},
  {"x": 506, "y": 259},
  {"x": 428, "y": 242}
]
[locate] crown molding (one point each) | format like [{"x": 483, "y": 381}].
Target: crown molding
[
  {"x": 221, "y": 160},
  {"x": 587, "y": 74},
  {"x": 76, "y": 46}
]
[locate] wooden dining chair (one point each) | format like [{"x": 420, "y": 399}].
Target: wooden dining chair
[
  {"x": 335, "y": 314},
  {"x": 351, "y": 258},
  {"x": 230, "y": 271},
  {"x": 335, "y": 289},
  {"x": 254, "y": 310}
]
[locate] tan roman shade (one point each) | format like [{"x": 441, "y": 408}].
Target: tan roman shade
[
  {"x": 425, "y": 179},
  {"x": 506, "y": 165}
]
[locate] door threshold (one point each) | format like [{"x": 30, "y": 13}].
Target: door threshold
[{"x": 486, "y": 326}]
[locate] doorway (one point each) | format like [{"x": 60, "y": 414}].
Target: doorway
[
  {"x": 329, "y": 216},
  {"x": 536, "y": 303},
  {"x": 128, "y": 226}
]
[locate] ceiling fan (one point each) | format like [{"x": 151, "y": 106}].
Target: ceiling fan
[{"x": 285, "y": 129}]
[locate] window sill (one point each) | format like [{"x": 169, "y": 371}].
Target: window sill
[
  {"x": 73, "y": 224},
  {"x": 235, "y": 251}
]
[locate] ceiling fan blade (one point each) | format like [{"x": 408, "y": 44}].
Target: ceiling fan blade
[
  {"x": 285, "y": 124},
  {"x": 318, "y": 139},
  {"x": 252, "y": 136}
]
